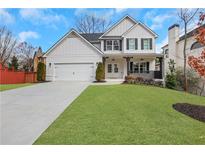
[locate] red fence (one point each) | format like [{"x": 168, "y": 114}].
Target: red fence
[{"x": 12, "y": 77}]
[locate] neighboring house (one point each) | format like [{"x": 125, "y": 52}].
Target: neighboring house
[
  {"x": 174, "y": 48},
  {"x": 127, "y": 48},
  {"x": 38, "y": 57}
]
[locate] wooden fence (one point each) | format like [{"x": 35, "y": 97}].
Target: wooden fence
[{"x": 10, "y": 76}]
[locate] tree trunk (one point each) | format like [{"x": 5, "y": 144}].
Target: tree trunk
[
  {"x": 185, "y": 57},
  {"x": 202, "y": 89}
]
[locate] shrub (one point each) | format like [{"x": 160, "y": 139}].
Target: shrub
[
  {"x": 170, "y": 79},
  {"x": 192, "y": 80},
  {"x": 130, "y": 79},
  {"x": 14, "y": 63},
  {"x": 41, "y": 71},
  {"x": 100, "y": 72}
]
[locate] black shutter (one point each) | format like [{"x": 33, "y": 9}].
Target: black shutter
[
  {"x": 127, "y": 44},
  {"x": 104, "y": 45},
  {"x": 131, "y": 67},
  {"x": 120, "y": 45},
  {"x": 147, "y": 67},
  {"x": 142, "y": 44},
  {"x": 150, "y": 44},
  {"x": 136, "y": 44}
]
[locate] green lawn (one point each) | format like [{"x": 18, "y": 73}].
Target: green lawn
[
  {"x": 4, "y": 87},
  {"x": 126, "y": 114}
]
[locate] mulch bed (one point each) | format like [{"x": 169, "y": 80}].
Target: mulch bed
[{"x": 194, "y": 111}]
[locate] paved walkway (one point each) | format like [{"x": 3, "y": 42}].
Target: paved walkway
[{"x": 26, "y": 112}]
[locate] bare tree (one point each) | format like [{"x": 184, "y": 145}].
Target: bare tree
[
  {"x": 90, "y": 23},
  {"x": 186, "y": 16},
  {"x": 25, "y": 52},
  {"x": 7, "y": 45}
]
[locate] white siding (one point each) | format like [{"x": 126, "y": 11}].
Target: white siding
[
  {"x": 72, "y": 49},
  {"x": 179, "y": 53},
  {"x": 121, "y": 28},
  {"x": 139, "y": 32},
  {"x": 97, "y": 45}
]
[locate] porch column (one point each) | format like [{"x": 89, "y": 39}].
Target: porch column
[
  {"x": 104, "y": 59},
  {"x": 128, "y": 63}
]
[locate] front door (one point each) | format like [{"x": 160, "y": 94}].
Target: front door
[{"x": 113, "y": 71}]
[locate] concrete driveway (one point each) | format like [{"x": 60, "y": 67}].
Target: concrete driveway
[{"x": 26, "y": 112}]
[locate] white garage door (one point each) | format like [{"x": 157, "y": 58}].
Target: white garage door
[{"x": 74, "y": 72}]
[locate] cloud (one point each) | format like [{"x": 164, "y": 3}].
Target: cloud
[
  {"x": 6, "y": 17},
  {"x": 158, "y": 19},
  {"x": 42, "y": 17},
  {"x": 25, "y": 35},
  {"x": 161, "y": 44}
]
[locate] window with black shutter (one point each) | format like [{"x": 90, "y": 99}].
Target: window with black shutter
[
  {"x": 127, "y": 43},
  {"x": 136, "y": 44},
  {"x": 147, "y": 67},
  {"x": 104, "y": 45},
  {"x": 142, "y": 44},
  {"x": 150, "y": 41},
  {"x": 146, "y": 44}
]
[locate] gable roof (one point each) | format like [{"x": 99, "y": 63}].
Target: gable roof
[
  {"x": 136, "y": 23},
  {"x": 91, "y": 37},
  {"x": 67, "y": 34},
  {"x": 117, "y": 23},
  {"x": 143, "y": 25}
]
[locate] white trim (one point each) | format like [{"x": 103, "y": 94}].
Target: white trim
[
  {"x": 66, "y": 35},
  {"x": 127, "y": 16},
  {"x": 143, "y": 25}
]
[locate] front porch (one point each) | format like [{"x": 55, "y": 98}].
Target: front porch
[{"x": 119, "y": 66}]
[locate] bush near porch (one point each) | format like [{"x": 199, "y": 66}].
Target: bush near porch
[{"x": 130, "y": 79}]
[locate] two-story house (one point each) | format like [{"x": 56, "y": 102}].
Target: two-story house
[{"x": 127, "y": 48}]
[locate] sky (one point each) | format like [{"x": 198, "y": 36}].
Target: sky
[{"x": 43, "y": 27}]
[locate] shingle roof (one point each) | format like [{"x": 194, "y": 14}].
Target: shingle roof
[
  {"x": 191, "y": 33},
  {"x": 91, "y": 37}
]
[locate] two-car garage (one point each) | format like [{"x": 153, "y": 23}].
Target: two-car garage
[
  {"x": 74, "y": 71},
  {"x": 72, "y": 58}
]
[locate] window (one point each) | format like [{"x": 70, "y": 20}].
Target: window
[
  {"x": 136, "y": 67},
  {"x": 146, "y": 44},
  {"x": 109, "y": 45},
  {"x": 113, "y": 45},
  {"x": 142, "y": 67},
  {"x": 116, "y": 45},
  {"x": 109, "y": 68},
  {"x": 115, "y": 68},
  {"x": 196, "y": 45},
  {"x": 132, "y": 43}
]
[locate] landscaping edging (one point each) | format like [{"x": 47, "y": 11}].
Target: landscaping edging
[{"x": 194, "y": 111}]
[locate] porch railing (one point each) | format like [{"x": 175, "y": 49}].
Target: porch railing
[
  {"x": 148, "y": 75},
  {"x": 158, "y": 74}
]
